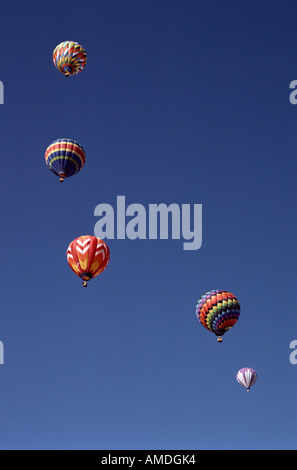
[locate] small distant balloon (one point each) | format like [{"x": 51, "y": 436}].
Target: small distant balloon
[
  {"x": 218, "y": 311},
  {"x": 246, "y": 377},
  {"x": 70, "y": 58},
  {"x": 65, "y": 158}
]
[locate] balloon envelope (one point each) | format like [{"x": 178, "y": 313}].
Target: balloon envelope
[
  {"x": 69, "y": 57},
  {"x": 88, "y": 256},
  {"x": 246, "y": 377},
  {"x": 218, "y": 311},
  {"x": 65, "y": 157}
]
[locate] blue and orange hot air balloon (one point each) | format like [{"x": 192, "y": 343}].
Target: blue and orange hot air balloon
[
  {"x": 87, "y": 256},
  {"x": 218, "y": 311},
  {"x": 70, "y": 58},
  {"x": 65, "y": 158}
]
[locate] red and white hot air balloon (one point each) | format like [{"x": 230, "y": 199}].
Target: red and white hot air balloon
[{"x": 87, "y": 256}]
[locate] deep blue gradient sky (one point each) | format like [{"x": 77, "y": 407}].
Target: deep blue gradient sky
[{"x": 180, "y": 101}]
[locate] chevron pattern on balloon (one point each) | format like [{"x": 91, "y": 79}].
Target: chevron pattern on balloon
[
  {"x": 69, "y": 58},
  {"x": 88, "y": 256},
  {"x": 218, "y": 311}
]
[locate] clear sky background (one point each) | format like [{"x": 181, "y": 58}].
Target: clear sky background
[{"x": 180, "y": 101}]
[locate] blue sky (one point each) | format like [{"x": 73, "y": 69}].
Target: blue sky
[{"x": 180, "y": 101}]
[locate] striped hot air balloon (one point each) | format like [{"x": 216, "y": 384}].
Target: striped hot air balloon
[
  {"x": 65, "y": 158},
  {"x": 87, "y": 256},
  {"x": 246, "y": 377},
  {"x": 218, "y": 311},
  {"x": 70, "y": 58}
]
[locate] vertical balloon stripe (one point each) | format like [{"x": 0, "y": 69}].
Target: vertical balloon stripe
[{"x": 85, "y": 252}]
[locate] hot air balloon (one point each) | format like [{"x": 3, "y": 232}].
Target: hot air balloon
[
  {"x": 70, "y": 58},
  {"x": 87, "y": 256},
  {"x": 218, "y": 311},
  {"x": 246, "y": 377},
  {"x": 65, "y": 158}
]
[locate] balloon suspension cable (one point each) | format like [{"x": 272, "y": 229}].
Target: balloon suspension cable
[{"x": 220, "y": 339}]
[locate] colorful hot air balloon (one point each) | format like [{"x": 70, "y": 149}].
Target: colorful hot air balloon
[
  {"x": 65, "y": 158},
  {"x": 218, "y": 311},
  {"x": 87, "y": 256},
  {"x": 246, "y": 377},
  {"x": 70, "y": 58}
]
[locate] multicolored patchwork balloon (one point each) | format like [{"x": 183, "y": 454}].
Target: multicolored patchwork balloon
[
  {"x": 246, "y": 377},
  {"x": 65, "y": 158},
  {"x": 87, "y": 256},
  {"x": 69, "y": 57},
  {"x": 218, "y": 311}
]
